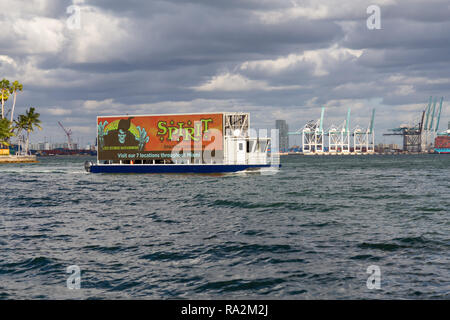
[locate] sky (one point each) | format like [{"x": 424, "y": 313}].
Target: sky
[{"x": 277, "y": 59}]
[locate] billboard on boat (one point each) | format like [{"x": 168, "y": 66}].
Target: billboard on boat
[{"x": 156, "y": 137}]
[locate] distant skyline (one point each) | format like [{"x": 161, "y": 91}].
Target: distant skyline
[{"x": 277, "y": 59}]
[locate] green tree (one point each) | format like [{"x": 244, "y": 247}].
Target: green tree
[
  {"x": 28, "y": 122},
  {"x": 20, "y": 125},
  {"x": 6, "y": 131},
  {"x": 14, "y": 88},
  {"x": 4, "y": 92}
]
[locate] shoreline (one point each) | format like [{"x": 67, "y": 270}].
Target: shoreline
[
  {"x": 353, "y": 153},
  {"x": 18, "y": 159}
]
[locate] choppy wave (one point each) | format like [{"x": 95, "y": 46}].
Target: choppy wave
[{"x": 309, "y": 231}]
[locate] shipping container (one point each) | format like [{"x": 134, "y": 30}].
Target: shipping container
[{"x": 442, "y": 143}]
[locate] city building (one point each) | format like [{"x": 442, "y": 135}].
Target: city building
[
  {"x": 283, "y": 130},
  {"x": 392, "y": 147},
  {"x": 53, "y": 146}
]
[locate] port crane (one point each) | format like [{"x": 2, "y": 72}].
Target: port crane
[
  {"x": 419, "y": 136},
  {"x": 312, "y": 135},
  {"x": 68, "y": 134},
  {"x": 339, "y": 137},
  {"x": 364, "y": 138}
]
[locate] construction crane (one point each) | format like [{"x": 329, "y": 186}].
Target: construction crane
[{"x": 68, "y": 134}]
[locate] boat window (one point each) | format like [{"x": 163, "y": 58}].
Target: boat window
[
  {"x": 262, "y": 145},
  {"x": 241, "y": 146},
  {"x": 250, "y": 146}
]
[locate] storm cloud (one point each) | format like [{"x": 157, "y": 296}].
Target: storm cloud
[{"x": 276, "y": 59}]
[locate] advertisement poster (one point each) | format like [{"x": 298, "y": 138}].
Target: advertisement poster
[{"x": 158, "y": 136}]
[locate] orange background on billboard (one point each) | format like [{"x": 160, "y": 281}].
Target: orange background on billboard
[{"x": 150, "y": 123}]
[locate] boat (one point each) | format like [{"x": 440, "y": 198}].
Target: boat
[
  {"x": 442, "y": 142},
  {"x": 181, "y": 143}
]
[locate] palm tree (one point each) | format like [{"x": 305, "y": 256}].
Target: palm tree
[
  {"x": 16, "y": 86},
  {"x": 19, "y": 125},
  {"x": 4, "y": 92},
  {"x": 6, "y": 131},
  {"x": 28, "y": 122}
]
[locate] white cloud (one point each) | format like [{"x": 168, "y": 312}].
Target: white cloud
[
  {"x": 311, "y": 10},
  {"x": 402, "y": 79},
  {"x": 294, "y": 12},
  {"x": 37, "y": 35},
  {"x": 29, "y": 29},
  {"x": 111, "y": 107},
  {"x": 354, "y": 104},
  {"x": 103, "y": 107},
  {"x": 83, "y": 129},
  {"x": 8, "y": 66},
  {"x": 236, "y": 82},
  {"x": 356, "y": 87},
  {"x": 7, "y": 59},
  {"x": 29, "y": 8},
  {"x": 101, "y": 37},
  {"x": 28, "y": 72},
  {"x": 231, "y": 82},
  {"x": 319, "y": 59},
  {"x": 405, "y": 90},
  {"x": 57, "y": 111}
]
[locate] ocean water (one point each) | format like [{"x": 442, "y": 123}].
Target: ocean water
[{"x": 310, "y": 231}]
